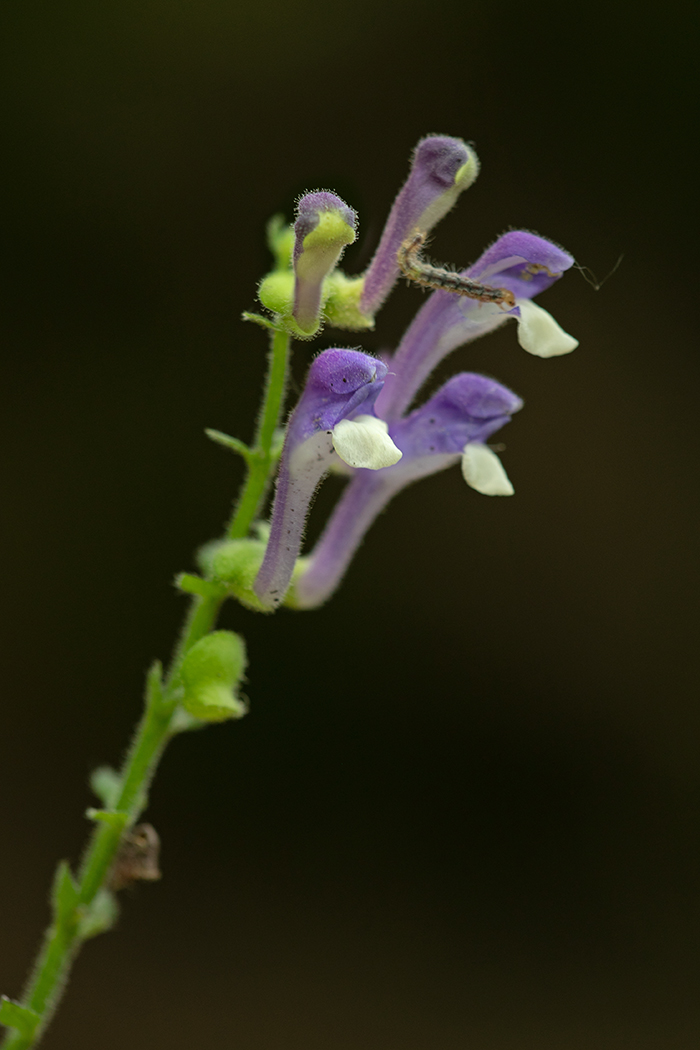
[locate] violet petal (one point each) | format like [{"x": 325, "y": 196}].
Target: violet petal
[
  {"x": 441, "y": 168},
  {"x": 339, "y": 383}
]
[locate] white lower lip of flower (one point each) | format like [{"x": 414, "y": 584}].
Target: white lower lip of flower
[
  {"x": 482, "y": 470},
  {"x": 365, "y": 442},
  {"x": 539, "y": 333}
]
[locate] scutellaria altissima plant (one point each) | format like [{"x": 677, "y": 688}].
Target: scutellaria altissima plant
[{"x": 355, "y": 415}]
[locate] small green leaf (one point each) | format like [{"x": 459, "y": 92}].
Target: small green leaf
[
  {"x": 210, "y": 673},
  {"x": 116, "y": 818},
  {"x": 64, "y": 894},
  {"x": 100, "y": 916},
  {"x": 13, "y": 1015},
  {"x": 192, "y": 584},
  {"x": 280, "y": 241},
  {"x": 264, "y": 322},
  {"x": 106, "y": 784},
  {"x": 230, "y": 442}
]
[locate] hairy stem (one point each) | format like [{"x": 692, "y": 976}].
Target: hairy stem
[
  {"x": 262, "y": 459},
  {"x": 75, "y": 900}
]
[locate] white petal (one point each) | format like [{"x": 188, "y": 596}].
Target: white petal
[
  {"x": 483, "y": 471},
  {"x": 539, "y": 333},
  {"x": 365, "y": 442}
]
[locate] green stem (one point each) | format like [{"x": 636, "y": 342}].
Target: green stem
[
  {"x": 63, "y": 938},
  {"x": 261, "y": 460}
]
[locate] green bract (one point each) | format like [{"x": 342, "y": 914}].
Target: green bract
[
  {"x": 210, "y": 673},
  {"x": 342, "y": 303},
  {"x": 235, "y": 564}
]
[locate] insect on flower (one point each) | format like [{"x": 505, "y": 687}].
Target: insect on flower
[{"x": 415, "y": 268}]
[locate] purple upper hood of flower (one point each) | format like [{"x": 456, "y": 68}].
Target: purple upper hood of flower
[
  {"x": 309, "y": 211},
  {"x": 469, "y": 407},
  {"x": 523, "y": 262},
  {"x": 339, "y": 384},
  {"x": 428, "y": 193}
]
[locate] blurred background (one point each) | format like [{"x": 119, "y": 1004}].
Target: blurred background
[{"x": 463, "y": 811}]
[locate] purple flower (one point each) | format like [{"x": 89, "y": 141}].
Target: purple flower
[
  {"x": 455, "y": 423},
  {"x": 441, "y": 168},
  {"x": 521, "y": 262},
  {"x": 332, "y": 415},
  {"x": 355, "y": 408},
  {"x": 324, "y": 226}
]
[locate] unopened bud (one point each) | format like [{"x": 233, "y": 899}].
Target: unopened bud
[
  {"x": 324, "y": 226},
  {"x": 236, "y": 563},
  {"x": 211, "y": 672}
]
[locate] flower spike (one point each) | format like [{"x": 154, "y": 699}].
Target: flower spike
[
  {"x": 441, "y": 169},
  {"x": 340, "y": 391}
]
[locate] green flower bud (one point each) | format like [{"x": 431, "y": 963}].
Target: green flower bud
[
  {"x": 324, "y": 226},
  {"x": 280, "y": 241},
  {"x": 276, "y": 292},
  {"x": 342, "y": 302},
  {"x": 210, "y": 673},
  {"x": 235, "y": 564}
]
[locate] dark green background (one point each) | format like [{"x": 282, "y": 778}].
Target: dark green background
[{"x": 463, "y": 812}]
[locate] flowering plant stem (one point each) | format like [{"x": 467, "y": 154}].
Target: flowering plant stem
[
  {"x": 261, "y": 458},
  {"x": 75, "y": 901}
]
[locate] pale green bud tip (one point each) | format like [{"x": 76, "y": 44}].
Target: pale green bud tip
[
  {"x": 468, "y": 172},
  {"x": 332, "y": 232},
  {"x": 210, "y": 673},
  {"x": 324, "y": 221}
]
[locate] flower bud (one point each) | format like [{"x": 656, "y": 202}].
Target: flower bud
[
  {"x": 324, "y": 226},
  {"x": 236, "y": 563},
  {"x": 342, "y": 307},
  {"x": 211, "y": 672},
  {"x": 276, "y": 292}
]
